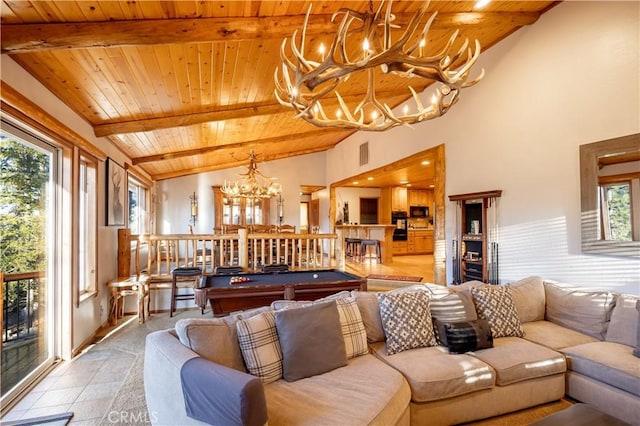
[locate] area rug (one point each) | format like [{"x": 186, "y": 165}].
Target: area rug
[
  {"x": 129, "y": 405},
  {"x": 406, "y": 278}
]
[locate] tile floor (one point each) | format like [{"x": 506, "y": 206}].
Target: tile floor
[{"x": 86, "y": 385}]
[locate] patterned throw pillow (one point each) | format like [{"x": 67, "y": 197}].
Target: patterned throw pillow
[
  {"x": 406, "y": 321},
  {"x": 260, "y": 346},
  {"x": 495, "y": 304}
]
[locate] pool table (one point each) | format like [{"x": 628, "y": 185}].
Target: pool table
[{"x": 264, "y": 288}]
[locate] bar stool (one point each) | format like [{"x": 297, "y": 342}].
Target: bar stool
[
  {"x": 183, "y": 278},
  {"x": 352, "y": 247},
  {"x": 370, "y": 243}
]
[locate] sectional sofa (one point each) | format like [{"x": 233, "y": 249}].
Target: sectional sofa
[{"x": 424, "y": 354}]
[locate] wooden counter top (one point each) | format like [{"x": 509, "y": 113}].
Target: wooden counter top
[{"x": 373, "y": 225}]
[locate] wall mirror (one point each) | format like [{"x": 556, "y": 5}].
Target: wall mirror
[{"x": 610, "y": 196}]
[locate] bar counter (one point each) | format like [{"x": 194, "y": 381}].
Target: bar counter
[{"x": 381, "y": 232}]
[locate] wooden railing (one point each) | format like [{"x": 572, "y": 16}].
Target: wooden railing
[{"x": 157, "y": 255}]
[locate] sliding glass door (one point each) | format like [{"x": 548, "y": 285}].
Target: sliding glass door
[{"x": 28, "y": 200}]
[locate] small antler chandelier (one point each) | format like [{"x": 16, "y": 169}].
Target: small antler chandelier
[
  {"x": 252, "y": 184},
  {"x": 303, "y": 83}
]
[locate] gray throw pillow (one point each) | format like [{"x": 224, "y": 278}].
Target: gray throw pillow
[
  {"x": 311, "y": 340},
  {"x": 624, "y": 321},
  {"x": 406, "y": 320}
]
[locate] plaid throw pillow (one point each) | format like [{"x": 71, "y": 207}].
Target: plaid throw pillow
[
  {"x": 406, "y": 321},
  {"x": 353, "y": 331},
  {"x": 495, "y": 304},
  {"x": 260, "y": 346}
]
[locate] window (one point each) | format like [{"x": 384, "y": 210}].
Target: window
[
  {"x": 87, "y": 227},
  {"x": 616, "y": 211},
  {"x": 138, "y": 217}
]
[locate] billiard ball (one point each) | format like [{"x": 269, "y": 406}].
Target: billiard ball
[{"x": 315, "y": 275}]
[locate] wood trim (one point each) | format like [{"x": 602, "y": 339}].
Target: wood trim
[
  {"x": 589, "y": 212},
  {"x": 625, "y": 177},
  {"x": 138, "y": 175},
  {"x": 476, "y": 195},
  {"x": 440, "y": 216},
  {"x": 16, "y": 105},
  {"x": 21, "y": 38}
]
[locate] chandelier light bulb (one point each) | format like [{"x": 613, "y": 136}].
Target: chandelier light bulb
[{"x": 321, "y": 49}]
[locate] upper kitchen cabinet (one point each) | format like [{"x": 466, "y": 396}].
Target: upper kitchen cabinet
[{"x": 399, "y": 199}]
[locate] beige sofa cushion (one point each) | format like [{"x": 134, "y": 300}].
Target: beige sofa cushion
[
  {"x": 554, "y": 336},
  {"x": 370, "y": 313},
  {"x": 515, "y": 359},
  {"x": 528, "y": 296},
  {"x": 215, "y": 339},
  {"x": 434, "y": 374},
  {"x": 623, "y": 327},
  {"x": 607, "y": 362},
  {"x": 365, "y": 392},
  {"x": 586, "y": 311}
]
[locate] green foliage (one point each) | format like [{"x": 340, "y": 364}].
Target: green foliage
[
  {"x": 619, "y": 202},
  {"x": 24, "y": 174}
]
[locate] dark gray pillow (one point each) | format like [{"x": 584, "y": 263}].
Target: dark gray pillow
[
  {"x": 311, "y": 340},
  {"x": 461, "y": 337}
]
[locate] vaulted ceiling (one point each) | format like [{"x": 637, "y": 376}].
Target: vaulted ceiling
[{"x": 183, "y": 87}]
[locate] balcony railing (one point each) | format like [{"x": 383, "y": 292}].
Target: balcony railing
[
  {"x": 157, "y": 255},
  {"x": 20, "y": 303}
]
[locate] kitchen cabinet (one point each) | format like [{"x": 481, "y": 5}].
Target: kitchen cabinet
[
  {"x": 399, "y": 199},
  {"x": 419, "y": 197},
  {"x": 420, "y": 241},
  {"x": 400, "y": 247}
]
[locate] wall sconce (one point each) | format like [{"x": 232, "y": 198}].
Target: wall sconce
[
  {"x": 194, "y": 208},
  {"x": 280, "y": 204}
]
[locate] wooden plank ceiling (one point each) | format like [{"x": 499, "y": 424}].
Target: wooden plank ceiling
[{"x": 184, "y": 87}]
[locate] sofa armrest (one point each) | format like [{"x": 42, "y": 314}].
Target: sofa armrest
[
  {"x": 164, "y": 357},
  {"x": 216, "y": 394}
]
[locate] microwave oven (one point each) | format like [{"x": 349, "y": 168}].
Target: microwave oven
[{"x": 418, "y": 211}]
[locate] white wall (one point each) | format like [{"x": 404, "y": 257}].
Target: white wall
[
  {"x": 570, "y": 79},
  {"x": 173, "y": 194},
  {"x": 352, "y": 197},
  {"x": 92, "y": 312}
]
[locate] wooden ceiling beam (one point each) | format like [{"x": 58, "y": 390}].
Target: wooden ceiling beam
[
  {"x": 228, "y": 165},
  {"x": 23, "y": 38},
  {"x": 157, "y": 123},
  {"x": 210, "y": 149},
  {"x": 235, "y": 112}
]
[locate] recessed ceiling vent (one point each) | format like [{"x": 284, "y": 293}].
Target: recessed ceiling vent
[{"x": 364, "y": 154}]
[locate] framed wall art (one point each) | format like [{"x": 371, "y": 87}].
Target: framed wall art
[{"x": 116, "y": 179}]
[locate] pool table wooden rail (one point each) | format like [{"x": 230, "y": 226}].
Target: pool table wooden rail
[{"x": 238, "y": 297}]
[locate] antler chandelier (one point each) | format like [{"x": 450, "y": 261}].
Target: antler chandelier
[
  {"x": 252, "y": 184},
  {"x": 303, "y": 83}
]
